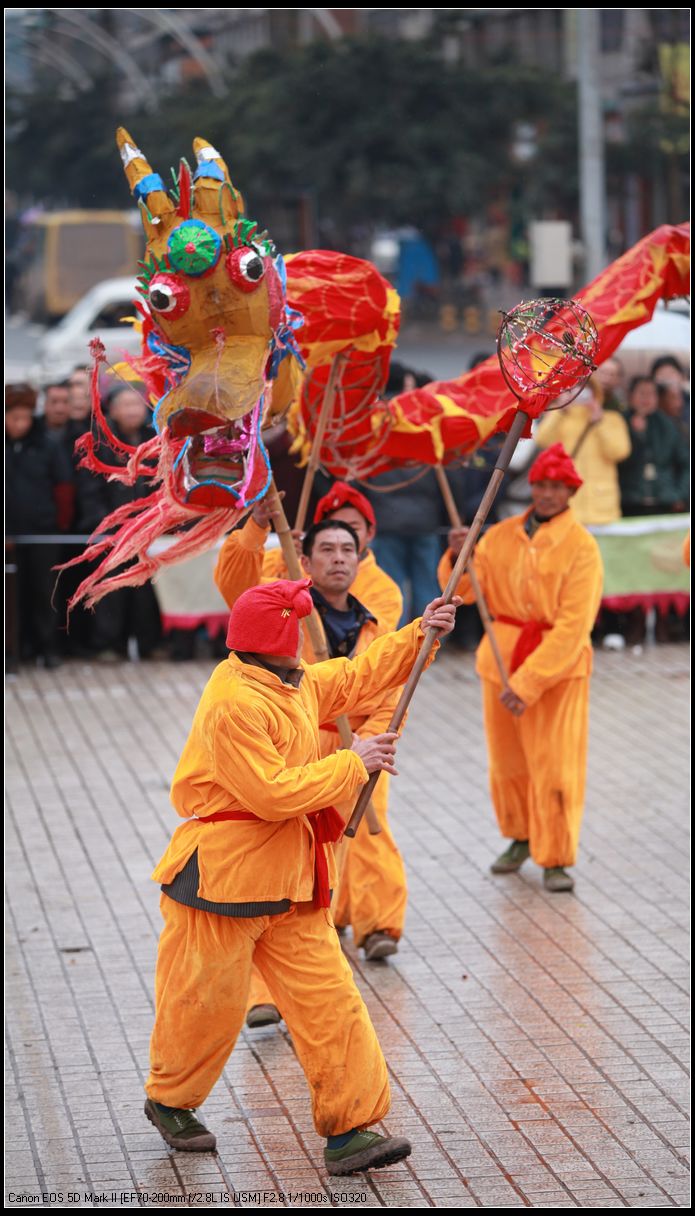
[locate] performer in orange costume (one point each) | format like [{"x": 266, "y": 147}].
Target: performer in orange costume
[
  {"x": 248, "y": 876},
  {"x": 541, "y": 575},
  {"x": 372, "y": 892},
  {"x": 243, "y": 561}
]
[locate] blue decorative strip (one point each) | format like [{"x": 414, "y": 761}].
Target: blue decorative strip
[
  {"x": 147, "y": 185},
  {"x": 178, "y": 358},
  {"x": 155, "y": 413},
  {"x": 182, "y": 453},
  {"x": 264, "y": 454},
  {"x": 209, "y": 168},
  {"x": 283, "y": 344},
  {"x": 279, "y": 265}
]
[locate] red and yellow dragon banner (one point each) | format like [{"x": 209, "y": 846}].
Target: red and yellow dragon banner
[{"x": 448, "y": 419}]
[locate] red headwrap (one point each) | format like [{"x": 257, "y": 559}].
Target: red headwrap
[
  {"x": 265, "y": 619},
  {"x": 555, "y": 465},
  {"x": 343, "y": 495}
]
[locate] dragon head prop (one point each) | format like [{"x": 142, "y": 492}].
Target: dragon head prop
[
  {"x": 215, "y": 319},
  {"x": 219, "y": 360}
]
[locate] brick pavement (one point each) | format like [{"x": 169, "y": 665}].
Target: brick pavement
[{"x": 536, "y": 1043}]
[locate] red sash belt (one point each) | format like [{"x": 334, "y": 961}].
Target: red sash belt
[
  {"x": 220, "y": 815},
  {"x": 530, "y": 637},
  {"x": 327, "y": 826}
]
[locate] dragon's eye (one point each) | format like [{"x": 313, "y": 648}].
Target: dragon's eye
[
  {"x": 168, "y": 296},
  {"x": 246, "y": 268}
]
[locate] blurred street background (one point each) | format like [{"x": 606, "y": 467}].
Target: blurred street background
[{"x": 472, "y": 154}]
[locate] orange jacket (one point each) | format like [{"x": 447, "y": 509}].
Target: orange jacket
[
  {"x": 556, "y": 578},
  {"x": 243, "y": 563},
  {"x": 254, "y": 746}
]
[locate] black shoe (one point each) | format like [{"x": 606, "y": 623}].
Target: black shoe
[
  {"x": 263, "y": 1015},
  {"x": 379, "y": 945},
  {"x": 366, "y": 1151},
  {"x": 557, "y": 879},
  {"x": 180, "y": 1128},
  {"x": 512, "y": 859}
]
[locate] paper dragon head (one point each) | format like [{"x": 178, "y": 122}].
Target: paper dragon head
[
  {"x": 219, "y": 360},
  {"x": 215, "y": 317}
]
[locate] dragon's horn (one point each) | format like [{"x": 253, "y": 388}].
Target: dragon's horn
[
  {"x": 147, "y": 187},
  {"x": 215, "y": 192},
  {"x": 185, "y": 190}
]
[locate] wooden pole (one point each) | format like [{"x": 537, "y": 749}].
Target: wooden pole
[
  {"x": 315, "y": 455},
  {"x": 314, "y": 627},
  {"x": 515, "y": 432},
  {"x": 457, "y": 522}
]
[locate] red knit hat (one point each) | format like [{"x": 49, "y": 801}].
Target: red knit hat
[
  {"x": 555, "y": 465},
  {"x": 265, "y": 619},
  {"x": 343, "y": 495}
]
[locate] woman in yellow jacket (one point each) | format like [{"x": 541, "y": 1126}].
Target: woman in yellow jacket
[
  {"x": 597, "y": 440},
  {"x": 541, "y": 574},
  {"x": 247, "y": 877}
]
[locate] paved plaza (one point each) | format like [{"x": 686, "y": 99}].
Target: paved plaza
[{"x": 537, "y": 1043}]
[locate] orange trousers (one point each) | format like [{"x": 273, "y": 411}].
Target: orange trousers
[
  {"x": 201, "y": 989},
  {"x": 538, "y": 768},
  {"x": 372, "y": 890}
]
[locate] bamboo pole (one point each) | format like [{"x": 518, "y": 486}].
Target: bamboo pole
[
  {"x": 457, "y": 522},
  {"x": 515, "y": 432},
  {"x": 318, "y": 637},
  {"x": 314, "y": 627},
  {"x": 315, "y": 455},
  {"x": 589, "y": 427}
]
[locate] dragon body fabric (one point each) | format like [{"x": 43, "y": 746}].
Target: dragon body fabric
[{"x": 448, "y": 419}]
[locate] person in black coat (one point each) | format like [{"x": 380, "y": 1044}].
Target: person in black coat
[
  {"x": 407, "y": 545},
  {"x": 131, "y": 611},
  {"x": 38, "y": 502}
]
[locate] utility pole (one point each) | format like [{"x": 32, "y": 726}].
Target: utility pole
[{"x": 592, "y": 177}]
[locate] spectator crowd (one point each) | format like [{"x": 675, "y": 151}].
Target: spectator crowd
[
  {"x": 630, "y": 444},
  {"x": 52, "y": 506}
]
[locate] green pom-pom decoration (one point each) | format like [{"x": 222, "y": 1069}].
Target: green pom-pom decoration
[{"x": 194, "y": 247}]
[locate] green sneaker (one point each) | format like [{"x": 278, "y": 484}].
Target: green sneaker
[
  {"x": 366, "y": 1151},
  {"x": 379, "y": 945},
  {"x": 180, "y": 1128},
  {"x": 557, "y": 879},
  {"x": 512, "y": 859}
]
